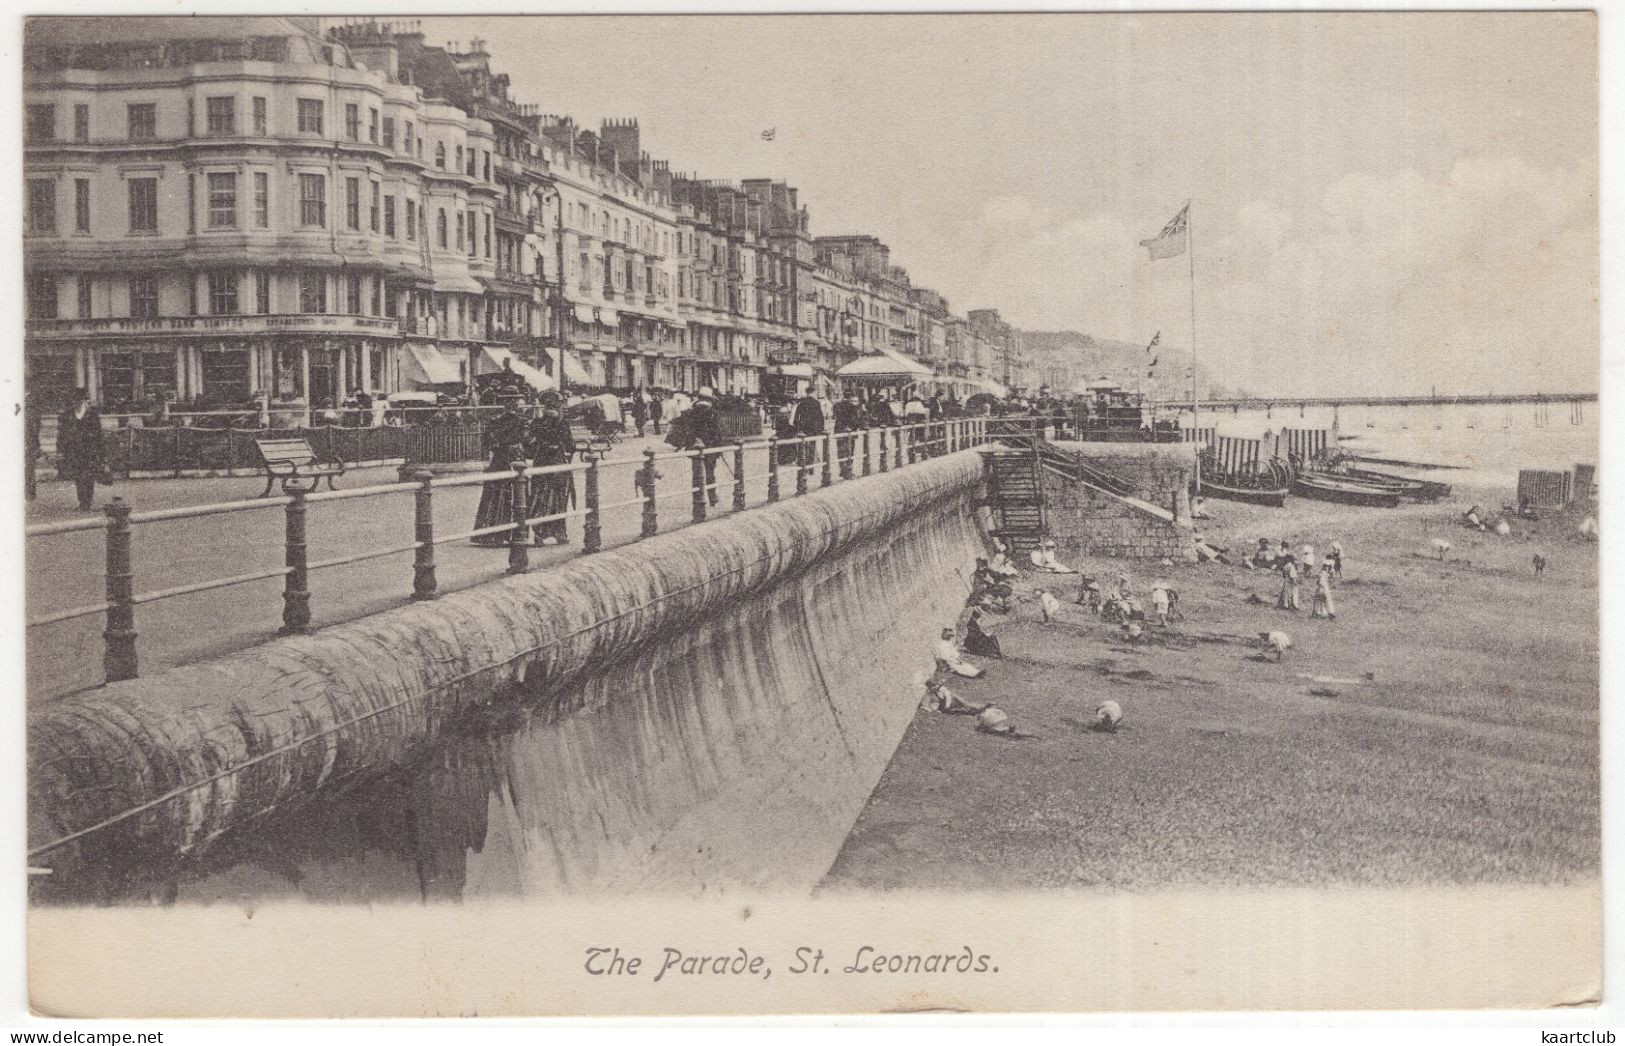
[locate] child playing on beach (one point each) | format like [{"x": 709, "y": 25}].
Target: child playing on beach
[
  {"x": 1288, "y": 599},
  {"x": 1323, "y": 593}
]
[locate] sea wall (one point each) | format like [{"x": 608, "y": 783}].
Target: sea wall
[
  {"x": 706, "y": 707},
  {"x": 1090, "y": 522}
]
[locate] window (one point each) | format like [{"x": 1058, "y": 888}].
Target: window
[
  {"x": 440, "y": 155},
  {"x": 352, "y": 122},
  {"x": 352, "y": 298},
  {"x": 144, "y": 297},
  {"x": 411, "y": 219},
  {"x": 81, "y": 205},
  {"x": 488, "y": 165},
  {"x": 459, "y": 165},
  {"x": 372, "y": 126},
  {"x": 222, "y": 294},
  {"x": 372, "y": 213},
  {"x": 440, "y": 226},
  {"x": 312, "y": 292},
  {"x": 191, "y": 124},
  {"x": 191, "y": 206},
  {"x": 352, "y": 203},
  {"x": 41, "y": 123},
  {"x": 84, "y": 297},
  {"x": 81, "y": 123},
  {"x": 586, "y": 272},
  {"x": 222, "y": 201},
  {"x": 143, "y": 119},
  {"x": 220, "y": 115},
  {"x": 143, "y": 204},
  {"x": 42, "y": 296},
  {"x": 42, "y": 206},
  {"x": 473, "y": 163},
  {"x": 473, "y": 234},
  {"x": 487, "y": 235},
  {"x": 406, "y": 138},
  {"x": 389, "y": 216},
  {"x": 459, "y": 230},
  {"x": 262, "y": 293},
  {"x": 389, "y": 132},
  {"x": 260, "y": 122},
  {"x": 313, "y": 201},
  {"x": 310, "y": 116},
  {"x": 262, "y": 199}
]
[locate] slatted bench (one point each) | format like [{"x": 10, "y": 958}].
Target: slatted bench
[{"x": 294, "y": 458}]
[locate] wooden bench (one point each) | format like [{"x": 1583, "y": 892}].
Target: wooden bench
[
  {"x": 294, "y": 458},
  {"x": 587, "y": 440}
]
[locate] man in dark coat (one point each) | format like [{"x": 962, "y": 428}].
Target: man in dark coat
[
  {"x": 703, "y": 427},
  {"x": 79, "y": 447},
  {"x": 848, "y": 418},
  {"x": 656, "y": 409},
  {"x": 809, "y": 416},
  {"x": 549, "y": 442},
  {"x": 504, "y": 436},
  {"x": 880, "y": 415}
]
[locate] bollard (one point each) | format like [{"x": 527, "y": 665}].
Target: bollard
[
  {"x": 697, "y": 470},
  {"x": 118, "y": 656},
  {"x": 651, "y": 521},
  {"x": 424, "y": 585},
  {"x": 802, "y": 467},
  {"x": 592, "y": 535},
  {"x": 296, "y": 584},
  {"x": 739, "y": 477},
  {"x": 519, "y": 536},
  {"x": 772, "y": 469},
  {"x": 829, "y": 452},
  {"x": 865, "y": 452},
  {"x": 884, "y": 456},
  {"x": 902, "y": 436}
]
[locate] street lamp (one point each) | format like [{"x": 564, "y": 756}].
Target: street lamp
[{"x": 560, "y": 305}]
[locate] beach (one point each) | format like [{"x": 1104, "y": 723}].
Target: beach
[{"x": 1443, "y": 728}]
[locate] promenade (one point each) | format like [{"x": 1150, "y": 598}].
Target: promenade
[{"x": 67, "y": 570}]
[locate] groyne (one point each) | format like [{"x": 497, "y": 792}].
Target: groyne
[{"x": 712, "y": 705}]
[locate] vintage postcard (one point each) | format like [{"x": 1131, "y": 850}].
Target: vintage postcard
[{"x": 618, "y": 515}]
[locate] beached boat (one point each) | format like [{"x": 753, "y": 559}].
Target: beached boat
[
  {"x": 1417, "y": 489},
  {"x": 1327, "y": 487},
  {"x": 1271, "y": 496}
]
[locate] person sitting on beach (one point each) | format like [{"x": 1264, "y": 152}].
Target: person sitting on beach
[
  {"x": 1277, "y": 643},
  {"x": 1199, "y": 508},
  {"x": 939, "y": 698},
  {"x": 949, "y": 659},
  {"x": 1048, "y": 606},
  {"x": 1283, "y": 554},
  {"x": 1503, "y": 528},
  {"x": 1472, "y": 519},
  {"x": 1108, "y": 716},
  {"x": 1323, "y": 593},
  {"x": 1002, "y": 566},
  {"x": 1588, "y": 528},
  {"x": 1043, "y": 558},
  {"x": 1335, "y": 558},
  {"x": 985, "y": 580},
  {"x": 978, "y": 641}
]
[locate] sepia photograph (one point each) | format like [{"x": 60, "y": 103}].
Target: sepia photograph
[{"x": 761, "y": 513}]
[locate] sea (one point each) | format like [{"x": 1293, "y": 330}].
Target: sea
[{"x": 1493, "y": 441}]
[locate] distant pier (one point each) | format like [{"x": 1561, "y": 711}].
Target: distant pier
[{"x": 1270, "y": 402}]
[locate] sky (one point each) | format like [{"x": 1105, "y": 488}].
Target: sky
[{"x": 1380, "y": 203}]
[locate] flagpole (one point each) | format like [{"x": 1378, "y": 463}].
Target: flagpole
[{"x": 1196, "y": 399}]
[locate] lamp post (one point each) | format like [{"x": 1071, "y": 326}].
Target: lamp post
[{"x": 561, "y": 306}]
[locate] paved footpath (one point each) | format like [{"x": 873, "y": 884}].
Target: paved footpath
[{"x": 67, "y": 570}]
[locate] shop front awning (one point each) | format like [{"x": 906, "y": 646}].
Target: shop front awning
[
  {"x": 494, "y": 359},
  {"x": 574, "y": 372},
  {"x": 885, "y": 364},
  {"x": 457, "y": 284},
  {"x": 609, "y": 317},
  {"x": 584, "y": 314},
  {"x": 792, "y": 370},
  {"x": 427, "y": 365}
]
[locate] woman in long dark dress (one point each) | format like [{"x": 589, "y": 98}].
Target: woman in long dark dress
[
  {"x": 549, "y": 442},
  {"x": 979, "y": 642},
  {"x": 504, "y": 440}
]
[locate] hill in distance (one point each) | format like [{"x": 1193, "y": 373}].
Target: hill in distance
[{"x": 1087, "y": 358}]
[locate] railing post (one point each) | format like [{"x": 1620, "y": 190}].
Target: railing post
[
  {"x": 829, "y": 452},
  {"x": 901, "y": 439},
  {"x": 651, "y": 520},
  {"x": 772, "y": 469},
  {"x": 739, "y": 478},
  {"x": 865, "y": 452},
  {"x": 424, "y": 584},
  {"x": 885, "y": 456},
  {"x": 296, "y": 584},
  {"x": 118, "y": 655},
  {"x": 697, "y": 470},
  {"x": 592, "y": 533},
  {"x": 519, "y": 536},
  {"x": 802, "y": 467}
]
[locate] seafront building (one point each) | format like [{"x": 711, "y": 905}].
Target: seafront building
[{"x": 222, "y": 210}]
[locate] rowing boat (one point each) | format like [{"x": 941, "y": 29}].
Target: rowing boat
[
  {"x": 1271, "y": 496},
  {"x": 1326, "y": 487}
]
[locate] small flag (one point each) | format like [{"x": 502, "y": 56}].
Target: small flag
[
  {"x": 1154, "y": 361},
  {"x": 1155, "y": 338},
  {"x": 1170, "y": 243},
  {"x": 769, "y": 134}
]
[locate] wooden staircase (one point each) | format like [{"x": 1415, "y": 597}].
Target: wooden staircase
[{"x": 1015, "y": 497}]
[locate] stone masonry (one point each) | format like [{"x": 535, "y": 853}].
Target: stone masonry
[{"x": 1090, "y": 522}]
